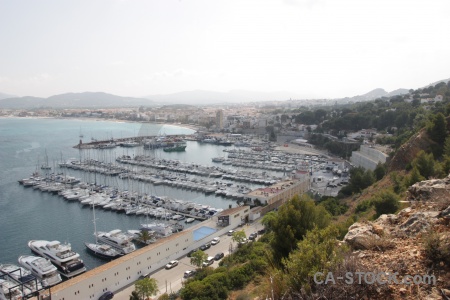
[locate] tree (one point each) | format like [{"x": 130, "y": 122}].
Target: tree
[
  {"x": 239, "y": 237},
  {"x": 198, "y": 257},
  {"x": 294, "y": 219},
  {"x": 425, "y": 164},
  {"x": 268, "y": 220},
  {"x": 380, "y": 171},
  {"x": 437, "y": 129},
  {"x": 146, "y": 287},
  {"x": 317, "y": 252}
]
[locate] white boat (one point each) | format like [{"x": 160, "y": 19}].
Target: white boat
[
  {"x": 118, "y": 240},
  {"x": 161, "y": 229},
  {"x": 103, "y": 251},
  {"x": 189, "y": 220},
  {"x": 42, "y": 268},
  {"x": 22, "y": 277},
  {"x": 9, "y": 290},
  {"x": 67, "y": 261}
]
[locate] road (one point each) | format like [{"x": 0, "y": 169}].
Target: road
[{"x": 171, "y": 280}]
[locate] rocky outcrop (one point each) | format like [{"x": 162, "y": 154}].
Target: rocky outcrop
[
  {"x": 434, "y": 189},
  {"x": 408, "y": 151},
  {"x": 398, "y": 243}
]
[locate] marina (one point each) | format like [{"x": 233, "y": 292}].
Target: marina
[{"x": 138, "y": 194}]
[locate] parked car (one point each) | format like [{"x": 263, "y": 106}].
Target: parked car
[
  {"x": 106, "y": 295},
  {"x": 230, "y": 232},
  {"x": 215, "y": 240},
  {"x": 252, "y": 236},
  {"x": 144, "y": 276},
  {"x": 262, "y": 231},
  {"x": 205, "y": 246},
  {"x": 189, "y": 273},
  {"x": 171, "y": 264},
  {"x": 191, "y": 252},
  {"x": 219, "y": 256},
  {"x": 244, "y": 241}
]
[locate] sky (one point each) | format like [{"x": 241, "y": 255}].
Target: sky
[{"x": 310, "y": 48}]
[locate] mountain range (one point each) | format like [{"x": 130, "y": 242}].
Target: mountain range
[
  {"x": 197, "y": 97},
  {"x": 74, "y": 100}
]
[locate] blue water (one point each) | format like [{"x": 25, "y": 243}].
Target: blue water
[
  {"x": 202, "y": 232},
  {"x": 27, "y": 214}
]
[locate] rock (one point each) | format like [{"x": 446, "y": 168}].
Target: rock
[
  {"x": 434, "y": 188},
  {"x": 445, "y": 213},
  {"x": 402, "y": 291},
  {"x": 378, "y": 229},
  {"x": 419, "y": 222},
  {"x": 405, "y": 212},
  {"x": 386, "y": 219},
  {"x": 360, "y": 236},
  {"x": 446, "y": 292}
]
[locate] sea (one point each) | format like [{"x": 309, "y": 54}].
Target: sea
[{"x": 27, "y": 214}]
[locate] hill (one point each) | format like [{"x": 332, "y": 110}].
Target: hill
[
  {"x": 375, "y": 94},
  {"x": 74, "y": 100}
]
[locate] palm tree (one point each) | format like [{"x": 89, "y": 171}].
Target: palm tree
[{"x": 144, "y": 236}]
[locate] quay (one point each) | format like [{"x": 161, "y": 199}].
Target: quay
[{"x": 137, "y": 139}]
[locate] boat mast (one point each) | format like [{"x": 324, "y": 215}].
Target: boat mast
[{"x": 95, "y": 224}]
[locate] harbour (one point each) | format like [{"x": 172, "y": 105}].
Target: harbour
[{"x": 133, "y": 188}]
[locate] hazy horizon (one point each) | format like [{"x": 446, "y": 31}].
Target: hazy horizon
[{"x": 312, "y": 49}]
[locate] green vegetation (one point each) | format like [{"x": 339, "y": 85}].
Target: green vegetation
[
  {"x": 293, "y": 220},
  {"x": 146, "y": 287},
  {"x": 239, "y": 237},
  {"x": 437, "y": 249},
  {"x": 385, "y": 202},
  {"x": 317, "y": 252},
  {"x": 198, "y": 257}
]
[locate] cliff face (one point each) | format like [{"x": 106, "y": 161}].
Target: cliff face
[
  {"x": 408, "y": 151},
  {"x": 416, "y": 241}
]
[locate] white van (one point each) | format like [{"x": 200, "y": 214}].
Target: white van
[{"x": 209, "y": 261}]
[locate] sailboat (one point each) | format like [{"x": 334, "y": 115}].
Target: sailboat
[{"x": 102, "y": 251}]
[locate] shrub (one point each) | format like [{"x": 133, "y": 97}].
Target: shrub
[
  {"x": 386, "y": 203},
  {"x": 436, "y": 248},
  {"x": 363, "y": 206}
]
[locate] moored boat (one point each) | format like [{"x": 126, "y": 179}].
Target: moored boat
[
  {"x": 118, "y": 240},
  {"x": 9, "y": 290},
  {"x": 62, "y": 256},
  {"x": 42, "y": 268},
  {"x": 103, "y": 251}
]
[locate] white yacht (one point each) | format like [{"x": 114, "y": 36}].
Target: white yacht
[
  {"x": 42, "y": 268},
  {"x": 21, "y": 276},
  {"x": 9, "y": 290},
  {"x": 118, "y": 240},
  {"x": 67, "y": 261}
]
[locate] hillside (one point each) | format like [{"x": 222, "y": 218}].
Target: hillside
[
  {"x": 74, "y": 100},
  {"x": 408, "y": 151},
  {"x": 415, "y": 241}
]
